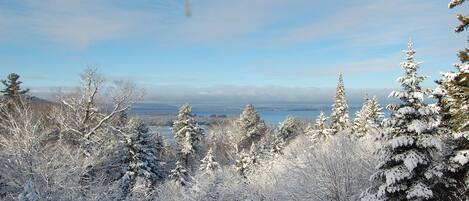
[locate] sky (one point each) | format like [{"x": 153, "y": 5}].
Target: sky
[{"x": 266, "y": 50}]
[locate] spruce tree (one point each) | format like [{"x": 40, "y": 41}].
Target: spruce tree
[
  {"x": 368, "y": 118},
  {"x": 252, "y": 128},
  {"x": 406, "y": 169},
  {"x": 453, "y": 101},
  {"x": 464, "y": 24},
  {"x": 320, "y": 130},
  {"x": 188, "y": 133},
  {"x": 360, "y": 123},
  {"x": 143, "y": 169},
  {"x": 246, "y": 163},
  {"x": 340, "y": 116},
  {"x": 209, "y": 164},
  {"x": 13, "y": 90},
  {"x": 376, "y": 113},
  {"x": 180, "y": 175},
  {"x": 288, "y": 129}
]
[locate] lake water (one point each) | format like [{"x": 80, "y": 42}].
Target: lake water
[{"x": 272, "y": 114}]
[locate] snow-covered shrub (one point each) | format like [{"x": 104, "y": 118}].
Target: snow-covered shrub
[{"x": 335, "y": 169}]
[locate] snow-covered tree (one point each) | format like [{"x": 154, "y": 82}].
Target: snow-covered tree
[
  {"x": 368, "y": 118},
  {"x": 180, "y": 175},
  {"x": 288, "y": 129},
  {"x": 188, "y": 133},
  {"x": 376, "y": 113},
  {"x": 452, "y": 92},
  {"x": 13, "y": 90},
  {"x": 81, "y": 116},
  {"x": 143, "y": 169},
  {"x": 453, "y": 100},
  {"x": 340, "y": 117},
  {"x": 319, "y": 130},
  {"x": 209, "y": 164},
  {"x": 406, "y": 170},
  {"x": 252, "y": 128},
  {"x": 28, "y": 193},
  {"x": 360, "y": 123},
  {"x": 246, "y": 163}
]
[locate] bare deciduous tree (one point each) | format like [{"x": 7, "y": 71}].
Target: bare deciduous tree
[{"x": 86, "y": 110}]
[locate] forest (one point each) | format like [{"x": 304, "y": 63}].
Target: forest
[{"x": 85, "y": 145}]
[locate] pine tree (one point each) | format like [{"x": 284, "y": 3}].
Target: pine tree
[
  {"x": 246, "y": 163},
  {"x": 340, "y": 116},
  {"x": 288, "y": 129},
  {"x": 464, "y": 24},
  {"x": 452, "y": 92},
  {"x": 322, "y": 130},
  {"x": 208, "y": 164},
  {"x": 29, "y": 193},
  {"x": 376, "y": 113},
  {"x": 13, "y": 89},
  {"x": 368, "y": 118},
  {"x": 180, "y": 175},
  {"x": 143, "y": 169},
  {"x": 188, "y": 133},
  {"x": 406, "y": 169},
  {"x": 252, "y": 127},
  {"x": 360, "y": 123},
  {"x": 453, "y": 101}
]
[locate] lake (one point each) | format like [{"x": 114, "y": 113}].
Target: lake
[{"x": 271, "y": 113}]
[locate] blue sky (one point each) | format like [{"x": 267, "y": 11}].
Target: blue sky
[{"x": 241, "y": 47}]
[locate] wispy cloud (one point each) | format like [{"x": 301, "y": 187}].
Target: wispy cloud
[
  {"x": 84, "y": 23},
  {"x": 371, "y": 65},
  {"x": 74, "y": 23}
]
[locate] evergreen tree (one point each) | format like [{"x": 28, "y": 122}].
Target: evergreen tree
[
  {"x": 288, "y": 129},
  {"x": 320, "y": 130},
  {"x": 340, "y": 116},
  {"x": 180, "y": 175},
  {"x": 453, "y": 101},
  {"x": 368, "y": 118},
  {"x": 453, "y": 96},
  {"x": 252, "y": 127},
  {"x": 13, "y": 89},
  {"x": 464, "y": 24},
  {"x": 29, "y": 193},
  {"x": 188, "y": 133},
  {"x": 376, "y": 113},
  {"x": 360, "y": 123},
  {"x": 143, "y": 169},
  {"x": 246, "y": 163},
  {"x": 406, "y": 169},
  {"x": 208, "y": 164}
]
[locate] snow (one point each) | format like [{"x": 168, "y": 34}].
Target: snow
[
  {"x": 462, "y": 157},
  {"x": 419, "y": 191},
  {"x": 401, "y": 141}
]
